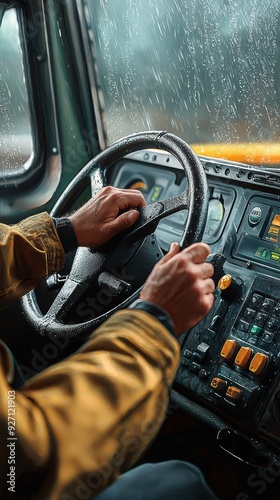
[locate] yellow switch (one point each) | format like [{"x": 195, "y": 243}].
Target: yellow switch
[
  {"x": 218, "y": 384},
  {"x": 243, "y": 356},
  {"x": 233, "y": 392},
  {"x": 258, "y": 363},
  {"x": 229, "y": 349},
  {"x": 225, "y": 282}
]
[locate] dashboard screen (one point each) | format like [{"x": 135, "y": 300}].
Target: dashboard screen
[{"x": 273, "y": 230}]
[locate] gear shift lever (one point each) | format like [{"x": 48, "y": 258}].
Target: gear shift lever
[{"x": 229, "y": 287}]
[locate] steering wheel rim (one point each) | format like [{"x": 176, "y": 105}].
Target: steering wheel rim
[{"x": 195, "y": 199}]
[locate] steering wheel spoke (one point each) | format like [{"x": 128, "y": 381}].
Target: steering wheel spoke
[
  {"x": 150, "y": 216},
  {"x": 66, "y": 299}
]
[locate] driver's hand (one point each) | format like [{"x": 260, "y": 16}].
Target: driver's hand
[
  {"x": 112, "y": 210},
  {"x": 181, "y": 284}
]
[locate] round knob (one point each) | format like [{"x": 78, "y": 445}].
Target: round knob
[
  {"x": 230, "y": 287},
  {"x": 225, "y": 282}
]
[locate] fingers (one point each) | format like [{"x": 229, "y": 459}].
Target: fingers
[
  {"x": 197, "y": 252},
  {"x": 125, "y": 220},
  {"x": 137, "y": 198},
  {"x": 209, "y": 286},
  {"x": 181, "y": 284},
  {"x": 207, "y": 270},
  {"x": 124, "y": 199},
  {"x": 173, "y": 250}
]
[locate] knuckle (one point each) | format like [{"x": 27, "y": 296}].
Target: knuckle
[
  {"x": 193, "y": 275},
  {"x": 106, "y": 189},
  {"x": 138, "y": 193},
  {"x": 185, "y": 261}
]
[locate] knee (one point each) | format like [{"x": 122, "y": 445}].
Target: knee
[
  {"x": 186, "y": 478},
  {"x": 182, "y": 471}
]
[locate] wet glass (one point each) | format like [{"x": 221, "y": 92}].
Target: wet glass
[
  {"x": 206, "y": 70},
  {"x": 15, "y": 128}
]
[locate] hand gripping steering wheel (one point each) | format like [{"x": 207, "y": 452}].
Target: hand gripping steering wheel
[{"x": 109, "y": 278}]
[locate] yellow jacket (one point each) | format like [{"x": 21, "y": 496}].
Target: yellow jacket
[{"x": 82, "y": 422}]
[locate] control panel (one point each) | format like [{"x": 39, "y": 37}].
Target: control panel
[{"x": 231, "y": 359}]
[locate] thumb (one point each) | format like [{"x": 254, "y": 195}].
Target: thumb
[
  {"x": 126, "y": 219},
  {"x": 173, "y": 250}
]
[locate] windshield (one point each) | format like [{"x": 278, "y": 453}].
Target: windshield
[{"x": 206, "y": 70}]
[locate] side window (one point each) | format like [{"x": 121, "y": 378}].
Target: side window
[{"x": 15, "y": 127}]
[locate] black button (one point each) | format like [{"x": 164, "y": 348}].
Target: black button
[
  {"x": 273, "y": 325},
  {"x": 243, "y": 326},
  {"x": 256, "y": 299},
  {"x": 268, "y": 304},
  {"x": 249, "y": 314},
  {"x": 268, "y": 337},
  {"x": 187, "y": 354},
  {"x": 260, "y": 319},
  {"x": 194, "y": 367}
]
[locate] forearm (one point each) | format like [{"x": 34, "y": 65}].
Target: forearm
[
  {"x": 29, "y": 251},
  {"x": 100, "y": 408}
]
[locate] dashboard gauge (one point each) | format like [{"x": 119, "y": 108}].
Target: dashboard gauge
[
  {"x": 214, "y": 219},
  {"x": 138, "y": 184}
]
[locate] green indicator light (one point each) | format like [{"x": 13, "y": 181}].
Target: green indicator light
[
  {"x": 157, "y": 192},
  {"x": 265, "y": 254},
  {"x": 255, "y": 330},
  {"x": 262, "y": 252}
]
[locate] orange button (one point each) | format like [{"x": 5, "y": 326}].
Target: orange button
[
  {"x": 258, "y": 363},
  {"x": 229, "y": 349},
  {"x": 225, "y": 282},
  {"x": 218, "y": 384},
  {"x": 233, "y": 392},
  {"x": 243, "y": 356}
]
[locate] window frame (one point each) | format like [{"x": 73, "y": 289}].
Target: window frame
[
  {"x": 35, "y": 163},
  {"x": 53, "y": 56}
]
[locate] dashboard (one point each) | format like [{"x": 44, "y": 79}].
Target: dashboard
[{"x": 230, "y": 361}]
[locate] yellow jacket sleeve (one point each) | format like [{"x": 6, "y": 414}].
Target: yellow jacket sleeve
[
  {"x": 82, "y": 422},
  {"x": 29, "y": 251}
]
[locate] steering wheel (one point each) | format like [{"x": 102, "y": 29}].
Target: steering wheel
[{"x": 109, "y": 278}]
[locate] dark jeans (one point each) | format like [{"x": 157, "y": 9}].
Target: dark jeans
[{"x": 171, "y": 480}]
